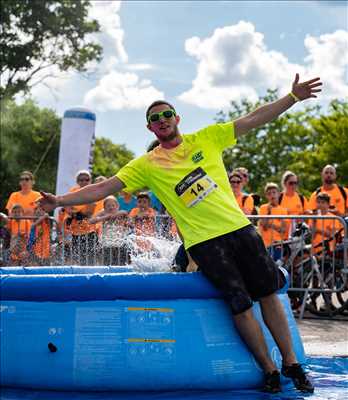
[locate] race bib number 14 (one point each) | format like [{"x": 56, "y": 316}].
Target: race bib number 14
[{"x": 195, "y": 187}]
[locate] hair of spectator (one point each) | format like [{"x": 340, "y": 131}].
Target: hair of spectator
[
  {"x": 286, "y": 176},
  {"x": 143, "y": 195},
  {"x": 109, "y": 198},
  {"x": 271, "y": 185},
  {"x": 27, "y": 173},
  {"x": 329, "y": 166},
  {"x": 157, "y": 103},
  {"x": 155, "y": 143},
  {"x": 83, "y": 172},
  {"x": 323, "y": 197},
  {"x": 236, "y": 174},
  {"x": 241, "y": 170},
  {"x": 100, "y": 178}
]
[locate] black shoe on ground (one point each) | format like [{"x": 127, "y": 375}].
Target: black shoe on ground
[
  {"x": 299, "y": 377},
  {"x": 272, "y": 382}
]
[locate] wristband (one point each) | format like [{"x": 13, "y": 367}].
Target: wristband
[{"x": 294, "y": 97}]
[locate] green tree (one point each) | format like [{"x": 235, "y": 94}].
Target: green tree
[
  {"x": 38, "y": 34},
  {"x": 29, "y": 141},
  {"x": 297, "y": 140},
  {"x": 330, "y": 138},
  {"x": 109, "y": 157}
]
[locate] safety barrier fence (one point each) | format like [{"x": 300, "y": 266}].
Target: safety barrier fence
[{"x": 313, "y": 249}]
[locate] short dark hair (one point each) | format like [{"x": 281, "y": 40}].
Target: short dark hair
[
  {"x": 153, "y": 145},
  {"x": 143, "y": 195},
  {"x": 157, "y": 103},
  {"x": 323, "y": 197}
]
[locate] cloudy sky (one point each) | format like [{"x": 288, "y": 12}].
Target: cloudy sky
[{"x": 200, "y": 55}]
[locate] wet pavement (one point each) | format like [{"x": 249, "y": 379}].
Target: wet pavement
[{"x": 324, "y": 337}]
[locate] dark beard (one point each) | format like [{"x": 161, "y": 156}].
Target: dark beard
[{"x": 171, "y": 137}]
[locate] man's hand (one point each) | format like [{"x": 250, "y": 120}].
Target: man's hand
[
  {"x": 307, "y": 89},
  {"x": 48, "y": 201}
]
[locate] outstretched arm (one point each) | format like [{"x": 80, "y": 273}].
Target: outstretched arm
[
  {"x": 270, "y": 111},
  {"x": 86, "y": 195}
]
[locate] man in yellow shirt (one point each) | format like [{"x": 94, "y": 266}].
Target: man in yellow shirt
[{"x": 187, "y": 174}]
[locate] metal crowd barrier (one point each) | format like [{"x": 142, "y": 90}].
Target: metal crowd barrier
[
  {"x": 102, "y": 244},
  {"x": 29, "y": 244},
  {"x": 318, "y": 271},
  {"x": 317, "y": 264}
]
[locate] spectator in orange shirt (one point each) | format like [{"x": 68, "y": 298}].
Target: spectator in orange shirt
[
  {"x": 143, "y": 217},
  {"x": 84, "y": 234},
  {"x": 19, "y": 229},
  {"x": 245, "y": 201},
  {"x": 99, "y": 205},
  {"x": 323, "y": 229},
  {"x": 337, "y": 193},
  {"x": 244, "y": 174},
  {"x": 295, "y": 203},
  {"x": 40, "y": 238},
  {"x": 115, "y": 228},
  {"x": 272, "y": 230},
  {"x": 26, "y": 197}
]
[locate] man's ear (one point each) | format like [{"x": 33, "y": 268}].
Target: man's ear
[
  {"x": 177, "y": 119},
  {"x": 148, "y": 126}
]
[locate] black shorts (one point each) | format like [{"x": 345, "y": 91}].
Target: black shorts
[{"x": 239, "y": 266}]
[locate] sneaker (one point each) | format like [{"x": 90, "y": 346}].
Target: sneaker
[
  {"x": 299, "y": 377},
  {"x": 272, "y": 382}
]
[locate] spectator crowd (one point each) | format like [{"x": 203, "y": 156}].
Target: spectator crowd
[{"x": 112, "y": 230}]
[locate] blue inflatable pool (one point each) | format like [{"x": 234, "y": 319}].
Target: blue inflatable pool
[{"x": 96, "y": 330}]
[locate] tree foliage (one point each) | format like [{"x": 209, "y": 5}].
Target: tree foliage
[
  {"x": 38, "y": 34},
  {"x": 27, "y": 134},
  {"x": 30, "y": 141},
  {"x": 301, "y": 141},
  {"x": 109, "y": 157}
]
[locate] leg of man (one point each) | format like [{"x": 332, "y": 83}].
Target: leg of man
[
  {"x": 251, "y": 333},
  {"x": 275, "y": 319},
  {"x": 217, "y": 260}
]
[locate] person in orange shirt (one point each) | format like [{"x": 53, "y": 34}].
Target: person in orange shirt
[
  {"x": 143, "y": 217},
  {"x": 26, "y": 197},
  {"x": 84, "y": 234},
  {"x": 337, "y": 193},
  {"x": 115, "y": 228},
  {"x": 40, "y": 238},
  {"x": 99, "y": 205},
  {"x": 245, "y": 201},
  {"x": 272, "y": 230},
  {"x": 19, "y": 229},
  {"x": 323, "y": 229},
  {"x": 295, "y": 203}
]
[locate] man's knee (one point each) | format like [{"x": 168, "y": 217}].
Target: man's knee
[{"x": 244, "y": 315}]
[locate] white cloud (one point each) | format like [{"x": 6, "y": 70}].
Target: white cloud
[
  {"x": 328, "y": 57},
  {"x": 234, "y": 63},
  {"x": 111, "y": 34},
  {"x": 140, "y": 67},
  {"x": 117, "y": 91}
]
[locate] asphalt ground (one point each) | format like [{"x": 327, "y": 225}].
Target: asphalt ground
[{"x": 324, "y": 337}]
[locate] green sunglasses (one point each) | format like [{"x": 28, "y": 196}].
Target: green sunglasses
[{"x": 156, "y": 116}]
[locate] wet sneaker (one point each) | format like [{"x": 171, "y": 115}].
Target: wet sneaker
[
  {"x": 272, "y": 382},
  {"x": 299, "y": 377}
]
